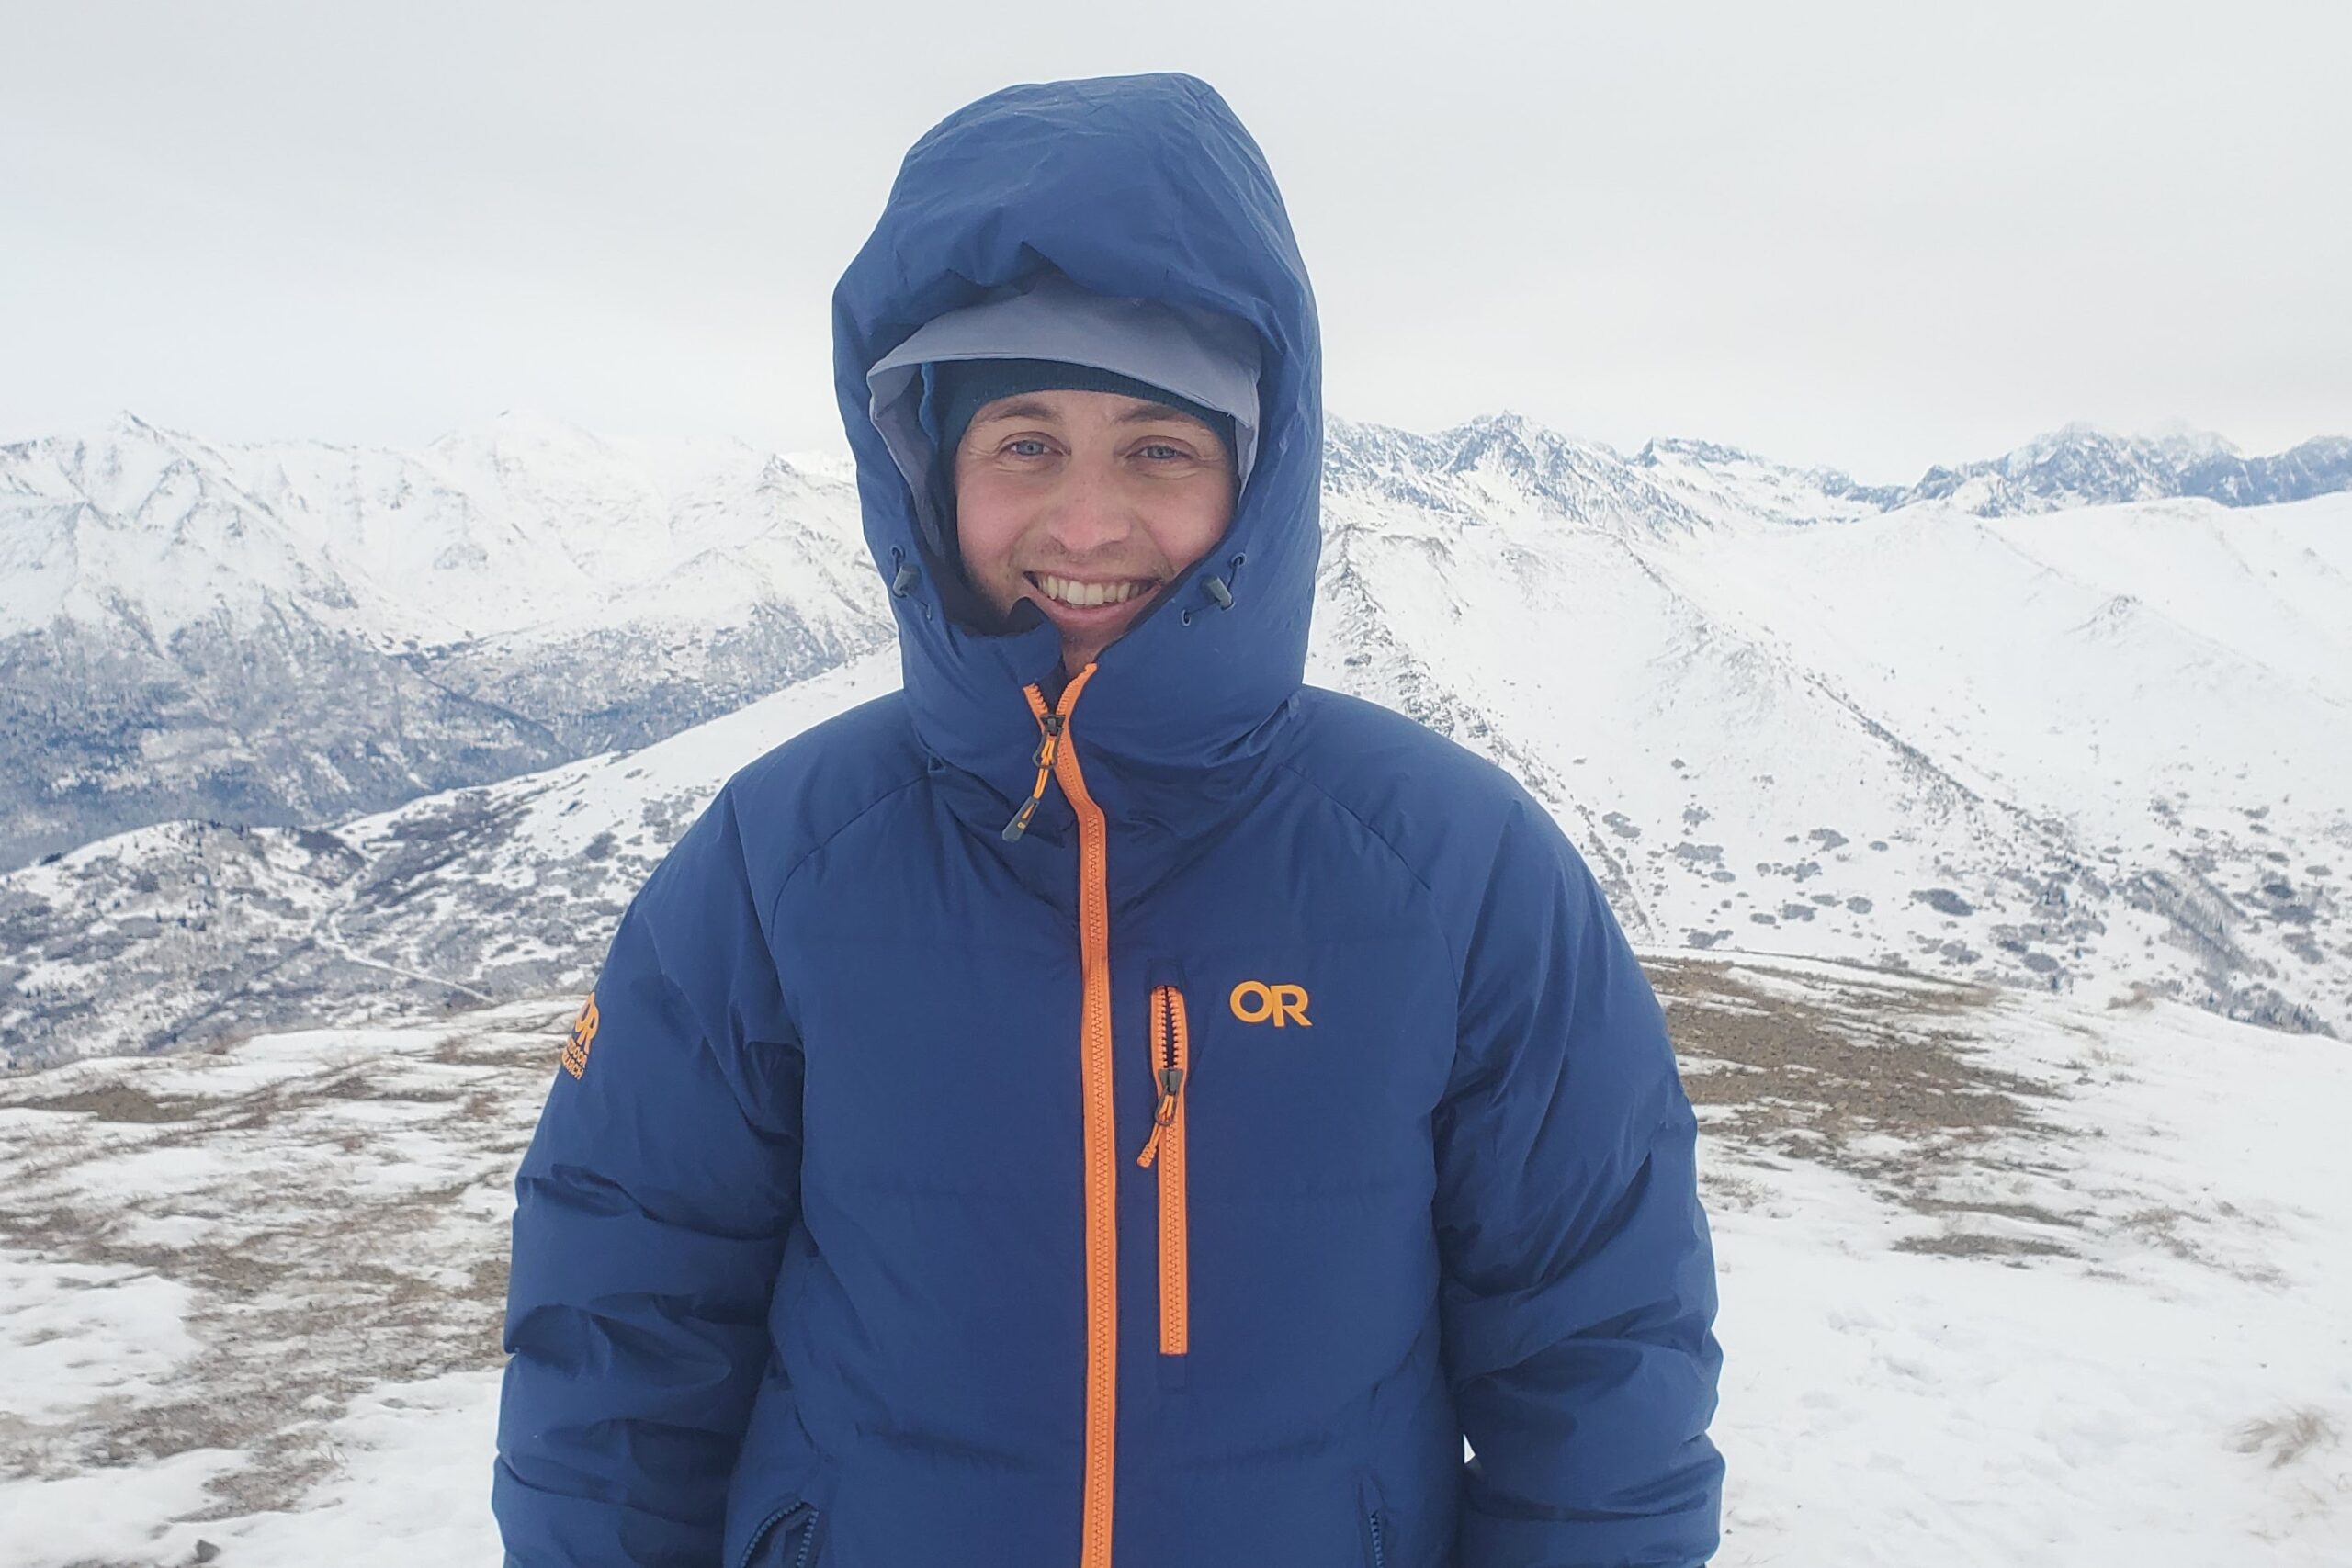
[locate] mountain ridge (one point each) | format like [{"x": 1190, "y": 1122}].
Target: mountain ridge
[{"x": 1762, "y": 735}]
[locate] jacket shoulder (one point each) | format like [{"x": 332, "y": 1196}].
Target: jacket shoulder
[
  {"x": 792, "y": 798},
  {"x": 1463, "y": 825},
  {"x": 1390, "y": 768}
]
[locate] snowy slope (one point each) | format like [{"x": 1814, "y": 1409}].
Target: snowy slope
[
  {"x": 2105, "y": 744},
  {"x": 177, "y": 935},
  {"x": 2005, "y": 1279}
]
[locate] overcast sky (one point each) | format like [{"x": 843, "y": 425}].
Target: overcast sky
[{"x": 1836, "y": 234}]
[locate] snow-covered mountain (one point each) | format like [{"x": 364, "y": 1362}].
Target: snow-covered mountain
[
  {"x": 2084, "y": 750},
  {"x": 2105, "y": 743},
  {"x": 293, "y": 633},
  {"x": 2082, "y": 465},
  {"x": 297, "y": 631}
]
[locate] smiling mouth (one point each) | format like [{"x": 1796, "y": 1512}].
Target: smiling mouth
[{"x": 1071, "y": 594}]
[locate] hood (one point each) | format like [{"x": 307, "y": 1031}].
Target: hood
[{"x": 1137, "y": 188}]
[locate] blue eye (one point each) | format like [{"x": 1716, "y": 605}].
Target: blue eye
[
  {"x": 1177, "y": 452},
  {"x": 1024, "y": 441}
]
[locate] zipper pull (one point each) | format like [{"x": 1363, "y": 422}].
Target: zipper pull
[
  {"x": 1048, "y": 743},
  {"x": 1052, "y": 723},
  {"x": 1052, "y": 727},
  {"x": 1171, "y": 1087}
]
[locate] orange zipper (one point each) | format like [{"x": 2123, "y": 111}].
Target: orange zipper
[
  {"x": 1058, "y": 758},
  {"x": 1171, "y": 1062}
]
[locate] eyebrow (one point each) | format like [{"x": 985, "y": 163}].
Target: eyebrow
[{"x": 1030, "y": 408}]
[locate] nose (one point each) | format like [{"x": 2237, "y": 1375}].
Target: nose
[{"x": 1092, "y": 512}]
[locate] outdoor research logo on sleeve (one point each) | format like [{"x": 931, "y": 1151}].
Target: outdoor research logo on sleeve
[
  {"x": 583, "y": 1034},
  {"x": 1254, "y": 1001}
]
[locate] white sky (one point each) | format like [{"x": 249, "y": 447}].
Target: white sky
[{"x": 1873, "y": 235}]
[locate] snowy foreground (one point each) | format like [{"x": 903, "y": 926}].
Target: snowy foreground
[{"x": 2006, "y": 1280}]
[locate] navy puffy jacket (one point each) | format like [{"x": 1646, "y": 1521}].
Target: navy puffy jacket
[{"x": 872, "y": 1229}]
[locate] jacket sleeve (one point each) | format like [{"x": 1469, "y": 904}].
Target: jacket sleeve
[
  {"x": 651, "y": 1210},
  {"x": 1578, "y": 1296}
]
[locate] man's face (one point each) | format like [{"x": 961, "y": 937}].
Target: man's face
[{"x": 1090, "y": 504}]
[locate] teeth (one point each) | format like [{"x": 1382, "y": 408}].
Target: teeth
[{"x": 1086, "y": 595}]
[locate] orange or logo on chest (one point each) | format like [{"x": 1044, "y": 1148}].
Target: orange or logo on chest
[{"x": 1254, "y": 1001}]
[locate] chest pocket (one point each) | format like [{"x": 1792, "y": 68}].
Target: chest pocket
[
  {"x": 1287, "y": 1136},
  {"x": 1308, "y": 1076}
]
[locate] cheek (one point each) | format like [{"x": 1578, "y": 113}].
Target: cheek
[
  {"x": 986, "y": 527},
  {"x": 1190, "y": 528}
]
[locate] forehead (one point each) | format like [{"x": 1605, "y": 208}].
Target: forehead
[{"x": 1071, "y": 405}]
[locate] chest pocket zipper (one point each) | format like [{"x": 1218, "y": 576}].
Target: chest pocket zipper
[
  {"x": 800, "y": 1518},
  {"x": 1172, "y": 1067},
  {"x": 1377, "y": 1521}
]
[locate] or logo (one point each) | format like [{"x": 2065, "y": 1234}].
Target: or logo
[
  {"x": 1254, "y": 1001},
  {"x": 583, "y": 1034}
]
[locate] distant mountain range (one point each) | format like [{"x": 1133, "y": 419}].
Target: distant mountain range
[
  {"x": 2083, "y": 465},
  {"x": 298, "y": 632},
  {"x": 334, "y": 732}
]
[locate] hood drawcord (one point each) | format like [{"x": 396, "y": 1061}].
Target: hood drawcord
[
  {"x": 904, "y": 575},
  {"x": 1217, "y": 588}
]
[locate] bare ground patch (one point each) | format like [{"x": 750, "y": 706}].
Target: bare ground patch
[
  {"x": 313, "y": 1273},
  {"x": 120, "y": 1103},
  {"x": 2288, "y": 1436},
  {"x": 1880, "y": 1080}
]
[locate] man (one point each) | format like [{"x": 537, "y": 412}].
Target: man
[{"x": 1108, "y": 1102}]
